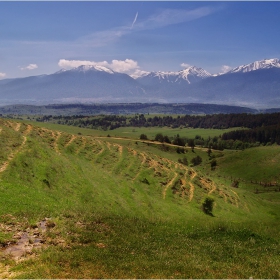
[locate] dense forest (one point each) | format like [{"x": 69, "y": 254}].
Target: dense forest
[
  {"x": 219, "y": 121},
  {"x": 259, "y": 129},
  {"x": 125, "y": 108}
]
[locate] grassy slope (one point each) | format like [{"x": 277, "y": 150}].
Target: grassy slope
[{"x": 112, "y": 223}]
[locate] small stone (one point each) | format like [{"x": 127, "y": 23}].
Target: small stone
[{"x": 100, "y": 245}]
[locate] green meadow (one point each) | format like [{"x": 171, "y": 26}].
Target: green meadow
[{"x": 125, "y": 208}]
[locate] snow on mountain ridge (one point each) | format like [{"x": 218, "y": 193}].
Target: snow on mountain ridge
[
  {"x": 171, "y": 76},
  {"x": 261, "y": 64},
  {"x": 194, "y": 71},
  {"x": 188, "y": 74},
  {"x": 85, "y": 68}
]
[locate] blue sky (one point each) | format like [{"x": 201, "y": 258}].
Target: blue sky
[{"x": 130, "y": 37}]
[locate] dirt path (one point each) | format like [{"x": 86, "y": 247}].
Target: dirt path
[
  {"x": 17, "y": 127},
  {"x": 84, "y": 141},
  {"x": 28, "y": 129},
  {"x": 193, "y": 175},
  {"x": 141, "y": 164},
  {"x": 169, "y": 184},
  {"x": 73, "y": 137},
  {"x": 235, "y": 198},
  {"x": 102, "y": 148},
  {"x": 108, "y": 145},
  {"x": 12, "y": 155},
  {"x": 19, "y": 149},
  {"x": 55, "y": 144},
  {"x": 134, "y": 154},
  {"x": 119, "y": 147},
  {"x": 148, "y": 142},
  {"x": 191, "y": 191},
  {"x": 209, "y": 185}
]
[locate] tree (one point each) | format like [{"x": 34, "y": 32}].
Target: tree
[
  {"x": 207, "y": 206},
  {"x": 179, "y": 141},
  {"x": 184, "y": 161},
  {"x": 213, "y": 164},
  {"x": 196, "y": 160},
  {"x": 166, "y": 139},
  {"x": 143, "y": 137},
  {"x": 191, "y": 143},
  {"x": 159, "y": 137},
  {"x": 209, "y": 151},
  {"x": 235, "y": 184}
]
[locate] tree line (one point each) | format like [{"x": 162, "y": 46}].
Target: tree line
[
  {"x": 261, "y": 129},
  {"x": 219, "y": 121}
]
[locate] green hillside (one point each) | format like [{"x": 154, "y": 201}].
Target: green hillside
[{"x": 104, "y": 207}]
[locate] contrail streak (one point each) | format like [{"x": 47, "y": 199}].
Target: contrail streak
[{"x": 134, "y": 20}]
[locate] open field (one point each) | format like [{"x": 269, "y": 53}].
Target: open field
[
  {"x": 123, "y": 208},
  {"x": 135, "y": 132},
  {"x": 170, "y": 132}
]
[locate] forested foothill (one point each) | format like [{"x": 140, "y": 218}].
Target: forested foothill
[
  {"x": 125, "y": 108},
  {"x": 252, "y": 129}
]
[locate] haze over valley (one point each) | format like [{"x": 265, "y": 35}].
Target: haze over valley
[{"x": 254, "y": 85}]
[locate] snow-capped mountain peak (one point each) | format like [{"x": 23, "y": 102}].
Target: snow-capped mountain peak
[
  {"x": 189, "y": 75},
  {"x": 86, "y": 68},
  {"x": 194, "y": 71},
  {"x": 261, "y": 64}
]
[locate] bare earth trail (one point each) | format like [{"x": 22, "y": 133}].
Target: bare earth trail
[
  {"x": 73, "y": 137},
  {"x": 158, "y": 164},
  {"x": 169, "y": 184},
  {"x": 193, "y": 175},
  {"x": 108, "y": 145},
  {"x": 56, "y": 136},
  {"x": 17, "y": 127},
  {"x": 133, "y": 154},
  {"x": 144, "y": 158},
  {"x": 209, "y": 185},
  {"x": 82, "y": 145},
  {"x": 18, "y": 150},
  {"x": 146, "y": 141},
  {"x": 102, "y": 147}
]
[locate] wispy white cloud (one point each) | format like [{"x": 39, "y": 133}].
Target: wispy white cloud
[
  {"x": 134, "y": 20},
  {"x": 163, "y": 18},
  {"x": 225, "y": 68},
  {"x": 174, "y": 16},
  {"x": 29, "y": 67},
  {"x": 2, "y": 75},
  {"x": 102, "y": 38},
  {"x": 185, "y": 65},
  {"x": 138, "y": 73},
  {"x": 127, "y": 66},
  {"x": 69, "y": 64}
]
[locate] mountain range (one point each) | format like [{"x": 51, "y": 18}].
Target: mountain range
[{"x": 254, "y": 85}]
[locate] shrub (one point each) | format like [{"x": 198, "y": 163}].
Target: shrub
[
  {"x": 159, "y": 137},
  {"x": 213, "y": 164},
  {"x": 143, "y": 137},
  {"x": 196, "y": 160},
  {"x": 183, "y": 161},
  {"x": 207, "y": 206},
  {"x": 235, "y": 184}
]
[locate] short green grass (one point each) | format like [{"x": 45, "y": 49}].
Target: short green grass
[
  {"x": 135, "y": 132},
  {"x": 108, "y": 206}
]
